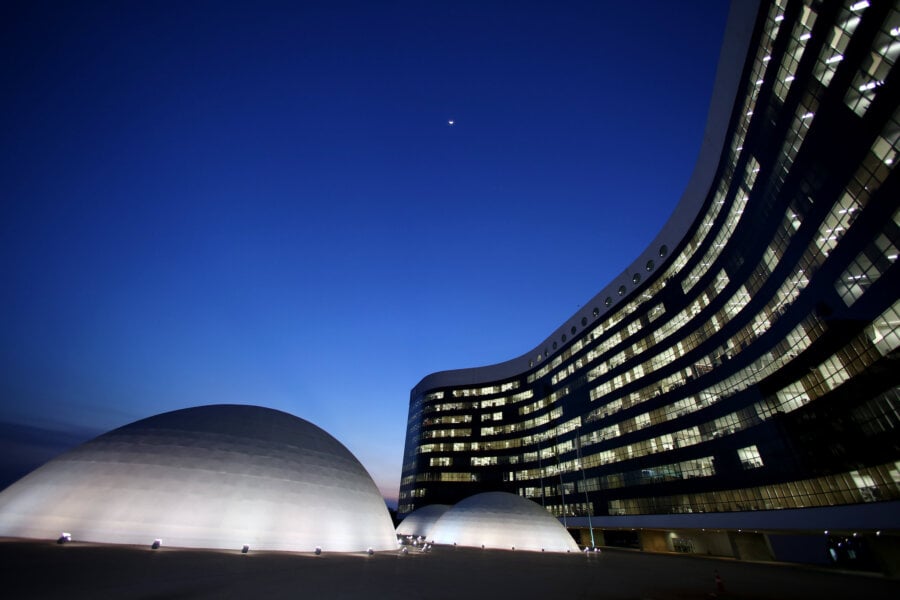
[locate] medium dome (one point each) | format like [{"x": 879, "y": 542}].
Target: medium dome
[
  {"x": 504, "y": 521},
  {"x": 216, "y": 476},
  {"x": 420, "y": 521}
]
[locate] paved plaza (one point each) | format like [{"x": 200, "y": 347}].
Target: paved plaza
[{"x": 46, "y": 570}]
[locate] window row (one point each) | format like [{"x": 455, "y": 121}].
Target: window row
[{"x": 871, "y": 484}]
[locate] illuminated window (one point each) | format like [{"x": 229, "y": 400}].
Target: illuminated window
[
  {"x": 749, "y": 457},
  {"x": 875, "y": 68}
]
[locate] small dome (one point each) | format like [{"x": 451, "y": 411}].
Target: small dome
[
  {"x": 207, "y": 477},
  {"x": 420, "y": 521},
  {"x": 504, "y": 521}
]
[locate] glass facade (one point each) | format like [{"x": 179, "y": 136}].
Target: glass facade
[{"x": 750, "y": 364}]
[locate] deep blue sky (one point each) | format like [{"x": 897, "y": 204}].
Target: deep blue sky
[{"x": 263, "y": 202}]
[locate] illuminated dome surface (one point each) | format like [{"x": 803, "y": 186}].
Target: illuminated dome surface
[
  {"x": 502, "y": 520},
  {"x": 207, "y": 477},
  {"x": 419, "y": 522}
]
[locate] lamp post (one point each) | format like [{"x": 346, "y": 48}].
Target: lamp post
[{"x": 584, "y": 484}]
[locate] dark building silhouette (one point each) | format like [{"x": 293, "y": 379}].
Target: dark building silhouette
[{"x": 741, "y": 375}]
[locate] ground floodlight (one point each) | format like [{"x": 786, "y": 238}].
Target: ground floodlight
[
  {"x": 370, "y": 552},
  {"x": 64, "y": 537},
  {"x": 318, "y": 550},
  {"x": 245, "y": 548},
  {"x": 156, "y": 544},
  {"x": 404, "y": 550}
]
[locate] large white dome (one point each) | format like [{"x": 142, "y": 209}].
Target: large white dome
[
  {"x": 504, "y": 521},
  {"x": 208, "y": 477},
  {"x": 420, "y": 521}
]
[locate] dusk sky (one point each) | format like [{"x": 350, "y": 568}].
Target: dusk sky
[{"x": 266, "y": 203}]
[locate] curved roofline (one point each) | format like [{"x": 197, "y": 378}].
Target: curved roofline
[{"x": 729, "y": 72}]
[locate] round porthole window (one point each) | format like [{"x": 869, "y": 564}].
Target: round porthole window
[
  {"x": 564, "y": 338},
  {"x": 554, "y": 345},
  {"x": 636, "y": 278},
  {"x": 608, "y": 301},
  {"x": 573, "y": 330},
  {"x": 596, "y": 312},
  {"x": 622, "y": 290},
  {"x": 663, "y": 251},
  {"x": 584, "y": 319},
  {"x": 650, "y": 265}
]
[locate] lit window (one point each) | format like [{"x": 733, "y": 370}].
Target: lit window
[{"x": 749, "y": 457}]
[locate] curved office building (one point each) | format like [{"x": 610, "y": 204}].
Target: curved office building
[{"x": 742, "y": 373}]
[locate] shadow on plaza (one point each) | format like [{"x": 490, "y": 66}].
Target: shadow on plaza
[{"x": 46, "y": 570}]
